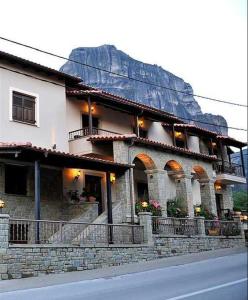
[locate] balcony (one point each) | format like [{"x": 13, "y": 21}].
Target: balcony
[
  {"x": 79, "y": 144},
  {"x": 229, "y": 173},
  {"x": 84, "y": 132}
]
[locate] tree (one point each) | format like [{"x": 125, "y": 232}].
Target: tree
[{"x": 240, "y": 201}]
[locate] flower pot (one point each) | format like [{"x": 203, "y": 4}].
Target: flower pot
[
  {"x": 214, "y": 232},
  {"x": 92, "y": 198}
]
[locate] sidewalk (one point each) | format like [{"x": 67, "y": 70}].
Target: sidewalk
[{"x": 54, "y": 279}]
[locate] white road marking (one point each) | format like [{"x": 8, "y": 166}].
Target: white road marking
[{"x": 208, "y": 290}]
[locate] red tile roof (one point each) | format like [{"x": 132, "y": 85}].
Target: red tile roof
[
  {"x": 38, "y": 67},
  {"x": 108, "y": 96},
  {"x": 160, "y": 145},
  {"x": 29, "y": 146}
]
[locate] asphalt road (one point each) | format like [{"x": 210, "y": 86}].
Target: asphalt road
[{"x": 216, "y": 278}]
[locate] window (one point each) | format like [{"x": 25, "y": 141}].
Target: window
[
  {"x": 23, "y": 108},
  {"x": 15, "y": 180}
]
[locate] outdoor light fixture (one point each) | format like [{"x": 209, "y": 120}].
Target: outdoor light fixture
[
  {"x": 197, "y": 209},
  {"x": 2, "y": 204},
  {"x": 144, "y": 204},
  {"x": 141, "y": 123},
  {"x": 178, "y": 134},
  {"x": 214, "y": 144},
  {"x": 218, "y": 187},
  {"x": 77, "y": 175},
  {"x": 112, "y": 177},
  {"x": 92, "y": 108}
]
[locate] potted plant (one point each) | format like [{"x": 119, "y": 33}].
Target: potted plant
[
  {"x": 84, "y": 196},
  {"x": 92, "y": 197}
]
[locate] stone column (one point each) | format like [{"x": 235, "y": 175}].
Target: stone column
[
  {"x": 123, "y": 194},
  {"x": 184, "y": 191},
  {"x": 208, "y": 195},
  {"x": 4, "y": 233},
  {"x": 146, "y": 221},
  {"x": 237, "y": 219},
  {"x": 156, "y": 187},
  {"x": 200, "y": 226},
  {"x": 4, "y": 244}
]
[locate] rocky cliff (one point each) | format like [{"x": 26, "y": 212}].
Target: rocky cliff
[{"x": 109, "y": 58}]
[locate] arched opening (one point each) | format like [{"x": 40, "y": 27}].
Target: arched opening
[
  {"x": 175, "y": 186},
  {"x": 142, "y": 163},
  {"x": 199, "y": 185}
]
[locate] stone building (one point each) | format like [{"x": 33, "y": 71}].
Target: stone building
[{"x": 72, "y": 152}]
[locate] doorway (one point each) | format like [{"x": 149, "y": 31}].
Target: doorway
[
  {"x": 219, "y": 202},
  {"x": 93, "y": 186}
]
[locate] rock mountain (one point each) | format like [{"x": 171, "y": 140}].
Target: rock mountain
[{"x": 110, "y": 58}]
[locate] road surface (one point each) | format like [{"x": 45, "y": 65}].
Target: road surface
[{"x": 216, "y": 278}]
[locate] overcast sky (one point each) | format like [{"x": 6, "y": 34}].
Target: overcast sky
[{"x": 202, "y": 41}]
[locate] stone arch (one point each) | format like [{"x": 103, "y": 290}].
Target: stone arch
[
  {"x": 146, "y": 160},
  {"x": 199, "y": 173},
  {"x": 202, "y": 189},
  {"x": 173, "y": 167}
]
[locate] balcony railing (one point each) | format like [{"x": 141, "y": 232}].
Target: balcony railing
[
  {"x": 222, "y": 228},
  {"x": 79, "y": 133},
  {"x": 229, "y": 168},
  {"x": 174, "y": 226},
  {"x": 24, "y": 231}
]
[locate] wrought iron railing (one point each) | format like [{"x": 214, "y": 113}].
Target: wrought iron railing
[
  {"x": 174, "y": 226},
  {"x": 222, "y": 228},
  {"x": 79, "y": 133},
  {"x": 24, "y": 231},
  {"x": 229, "y": 168}
]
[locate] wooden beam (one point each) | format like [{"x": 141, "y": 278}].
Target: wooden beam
[
  {"x": 173, "y": 135},
  {"x": 90, "y": 116},
  {"x": 242, "y": 160},
  {"x": 109, "y": 208}
]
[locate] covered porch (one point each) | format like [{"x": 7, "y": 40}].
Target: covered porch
[{"x": 41, "y": 184}]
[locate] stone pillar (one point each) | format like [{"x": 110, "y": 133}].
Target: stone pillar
[
  {"x": 4, "y": 233},
  {"x": 200, "y": 226},
  {"x": 123, "y": 194},
  {"x": 156, "y": 187},
  {"x": 146, "y": 221},
  {"x": 184, "y": 191},
  {"x": 237, "y": 219},
  {"x": 208, "y": 196}
]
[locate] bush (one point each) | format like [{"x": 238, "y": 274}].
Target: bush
[
  {"x": 152, "y": 206},
  {"x": 240, "y": 201},
  {"x": 176, "y": 208}
]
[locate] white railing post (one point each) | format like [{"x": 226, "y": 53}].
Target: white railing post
[
  {"x": 240, "y": 227},
  {"x": 200, "y": 221},
  {"x": 146, "y": 221}
]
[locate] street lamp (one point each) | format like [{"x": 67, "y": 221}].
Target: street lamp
[{"x": 2, "y": 204}]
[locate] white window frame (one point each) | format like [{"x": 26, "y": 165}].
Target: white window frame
[{"x": 37, "y": 105}]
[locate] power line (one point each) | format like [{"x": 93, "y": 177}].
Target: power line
[
  {"x": 62, "y": 85},
  {"x": 121, "y": 75}
]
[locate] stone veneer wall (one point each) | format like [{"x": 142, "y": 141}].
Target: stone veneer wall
[{"x": 26, "y": 261}]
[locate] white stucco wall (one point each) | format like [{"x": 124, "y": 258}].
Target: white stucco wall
[
  {"x": 109, "y": 119},
  {"x": 193, "y": 143},
  {"x": 156, "y": 132},
  {"x": 196, "y": 192},
  {"x": 51, "y": 110}
]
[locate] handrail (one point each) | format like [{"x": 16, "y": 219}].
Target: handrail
[{"x": 85, "y": 131}]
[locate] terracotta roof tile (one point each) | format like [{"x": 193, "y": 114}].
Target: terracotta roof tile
[
  {"x": 14, "y": 145},
  {"x": 153, "y": 143}
]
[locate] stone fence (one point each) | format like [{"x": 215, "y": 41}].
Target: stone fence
[{"x": 19, "y": 261}]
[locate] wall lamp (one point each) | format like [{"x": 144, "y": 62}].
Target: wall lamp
[
  {"x": 112, "y": 177},
  {"x": 77, "y": 175},
  {"x": 2, "y": 205}
]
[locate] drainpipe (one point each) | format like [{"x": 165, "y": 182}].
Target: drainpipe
[{"x": 90, "y": 116}]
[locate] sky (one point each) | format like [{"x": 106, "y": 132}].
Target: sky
[{"x": 202, "y": 41}]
